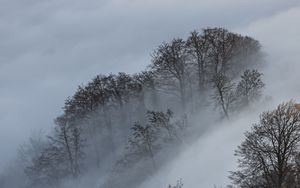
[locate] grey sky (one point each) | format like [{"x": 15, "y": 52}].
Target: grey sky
[{"x": 47, "y": 48}]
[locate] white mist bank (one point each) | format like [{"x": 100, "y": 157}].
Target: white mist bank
[
  {"x": 206, "y": 163},
  {"x": 203, "y": 163}
]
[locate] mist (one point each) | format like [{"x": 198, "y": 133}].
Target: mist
[
  {"x": 48, "y": 65},
  {"x": 279, "y": 35}
]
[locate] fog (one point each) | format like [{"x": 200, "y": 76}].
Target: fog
[
  {"x": 279, "y": 35},
  {"x": 49, "y": 48}
]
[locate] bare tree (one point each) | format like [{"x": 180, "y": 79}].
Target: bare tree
[
  {"x": 199, "y": 47},
  {"x": 267, "y": 157},
  {"x": 88, "y": 98},
  {"x": 49, "y": 168},
  {"x": 119, "y": 88},
  {"x": 149, "y": 138},
  {"x": 143, "y": 83},
  {"x": 223, "y": 93},
  {"x": 68, "y": 138},
  {"x": 143, "y": 141},
  {"x": 223, "y": 48},
  {"x": 170, "y": 62},
  {"x": 31, "y": 149},
  {"x": 160, "y": 119},
  {"x": 247, "y": 56},
  {"x": 60, "y": 157},
  {"x": 100, "y": 119},
  {"x": 250, "y": 87}
]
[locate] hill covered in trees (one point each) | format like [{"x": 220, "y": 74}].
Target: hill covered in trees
[{"x": 119, "y": 129}]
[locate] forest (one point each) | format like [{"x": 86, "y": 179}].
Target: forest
[{"x": 120, "y": 129}]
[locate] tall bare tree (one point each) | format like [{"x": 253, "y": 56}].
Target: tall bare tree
[
  {"x": 223, "y": 93},
  {"x": 69, "y": 139},
  {"x": 222, "y": 49},
  {"x": 143, "y": 141},
  {"x": 170, "y": 62},
  {"x": 199, "y": 48},
  {"x": 268, "y": 155},
  {"x": 250, "y": 87}
]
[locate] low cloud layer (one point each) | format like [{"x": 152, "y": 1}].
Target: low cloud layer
[{"x": 49, "y": 47}]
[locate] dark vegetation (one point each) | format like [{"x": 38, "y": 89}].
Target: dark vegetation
[
  {"x": 125, "y": 127},
  {"x": 269, "y": 157},
  {"x": 179, "y": 184}
]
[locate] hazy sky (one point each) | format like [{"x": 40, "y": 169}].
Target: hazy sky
[{"x": 48, "y": 48}]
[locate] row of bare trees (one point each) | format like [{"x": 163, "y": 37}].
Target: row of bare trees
[
  {"x": 207, "y": 59},
  {"x": 184, "y": 75}
]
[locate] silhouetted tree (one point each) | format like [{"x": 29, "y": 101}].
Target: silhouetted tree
[
  {"x": 143, "y": 141},
  {"x": 223, "y": 93},
  {"x": 119, "y": 88},
  {"x": 100, "y": 93},
  {"x": 223, "y": 45},
  {"x": 143, "y": 83},
  {"x": 61, "y": 157},
  {"x": 267, "y": 157},
  {"x": 250, "y": 87},
  {"x": 199, "y": 47},
  {"x": 68, "y": 138},
  {"x": 160, "y": 119},
  {"x": 32, "y": 148},
  {"x": 248, "y": 54},
  {"x": 170, "y": 62}
]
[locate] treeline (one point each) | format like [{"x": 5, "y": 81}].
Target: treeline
[{"x": 119, "y": 121}]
